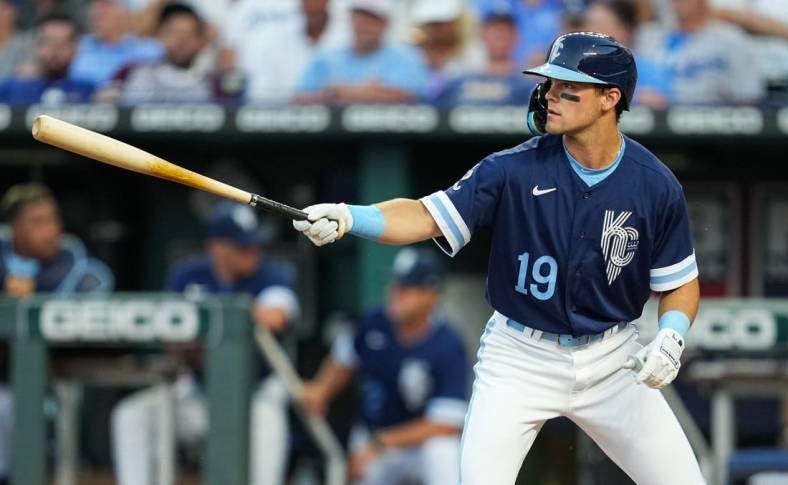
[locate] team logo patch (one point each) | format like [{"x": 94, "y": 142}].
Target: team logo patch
[
  {"x": 619, "y": 243},
  {"x": 415, "y": 383}
]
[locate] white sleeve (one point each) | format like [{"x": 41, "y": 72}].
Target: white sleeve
[
  {"x": 282, "y": 297},
  {"x": 344, "y": 352}
]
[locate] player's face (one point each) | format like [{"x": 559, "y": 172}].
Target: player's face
[
  {"x": 238, "y": 261},
  {"x": 572, "y": 106},
  {"x": 37, "y": 230},
  {"x": 408, "y": 303}
]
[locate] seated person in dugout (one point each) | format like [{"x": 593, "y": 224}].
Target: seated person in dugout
[
  {"x": 234, "y": 264},
  {"x": 413, "y": 374}
]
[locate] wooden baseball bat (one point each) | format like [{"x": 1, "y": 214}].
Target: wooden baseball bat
[{"x": 100, "y": 147}]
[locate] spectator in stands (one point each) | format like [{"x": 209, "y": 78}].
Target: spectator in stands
[
  {"x": 274, "y": 81},
  {"x": 446, "y": 41},
  {"x": 538, "y": 23},
  {"x": 110, "y": 46},
  {"x": 369, "y": 71},
  {"x": 56, "y": 43},
  {"x": 242, "y": 23},
  {"x": 233, "y": 265},
  {"x": 501, "y": 82},
  {"x": 36, "y": 256},
  {"x": 767, "y": 21},
  {"x": 413, "y": 375},
  {"x": 176, "y": 78},
  {"x": 15, "y": 47},
  {"x": 618, "y": 18},
  {"x": 708, "y": 61}
]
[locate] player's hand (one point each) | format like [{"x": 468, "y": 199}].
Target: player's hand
[
  {"x": 359, "y": 462},
  {"x": 660, "y": 359},
  {"x": 314, "y": 399},
  {"x": 327, "y": 223}
]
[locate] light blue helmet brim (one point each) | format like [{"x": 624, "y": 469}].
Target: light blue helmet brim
[{"x": 563, "y": 74}]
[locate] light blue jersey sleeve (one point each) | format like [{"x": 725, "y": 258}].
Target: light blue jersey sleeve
[
  {"x": 673, "y": 261},
  {"x": 467, "y": 205}
]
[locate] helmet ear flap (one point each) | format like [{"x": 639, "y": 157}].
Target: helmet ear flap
[{"x": 537, "y": 108}]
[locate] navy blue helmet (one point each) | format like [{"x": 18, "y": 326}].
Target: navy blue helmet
[{"x": 590, "y": 57}]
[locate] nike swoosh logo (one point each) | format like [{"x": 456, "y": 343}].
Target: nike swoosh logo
[{"x": 537, "y": 192}]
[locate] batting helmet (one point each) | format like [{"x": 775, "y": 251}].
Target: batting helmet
[{"x": 589, "y": 57}]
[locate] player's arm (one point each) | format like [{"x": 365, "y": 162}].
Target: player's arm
[
  {"x": 449, "y": 216},
  {"x": 412, "y": 433},
  {"x": 275, "y": 306},
  {"x": 396, "y": 221},
  {"x": 406, "y": 221},
  {"x": 332, "y": 378},
  {"x": 658, "y": 363},
  {"x": 684, "y": 299},
  {"x": 674, "y": 274},
  {"x": 334, "y": 375}
]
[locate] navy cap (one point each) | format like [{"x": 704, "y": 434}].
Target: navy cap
[
  {"x": 418, "y": 267},
  {"x": 238, "y": 224}
]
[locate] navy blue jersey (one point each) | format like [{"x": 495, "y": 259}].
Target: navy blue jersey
[
  {"x": 400, "y": 382},
  {"x": 566, "y": 257},
  {"x": 271, "y": 285},
  {"x": 196, "y": 276},
  {"x": 71, "y": 271}
]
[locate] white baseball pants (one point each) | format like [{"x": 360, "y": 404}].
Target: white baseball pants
[
  {"x": 147, "y": 424},
  {"x": 521, "y": 382},
  {"x": 434, "y": 462}
]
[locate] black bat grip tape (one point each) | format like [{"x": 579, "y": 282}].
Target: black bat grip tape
[{"x": 277, "y": 207}]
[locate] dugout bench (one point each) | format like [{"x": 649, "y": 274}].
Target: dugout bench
[{"x": 222, "y": 325}]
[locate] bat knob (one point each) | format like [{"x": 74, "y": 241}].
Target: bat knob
[{"x": 633, "y": 363}]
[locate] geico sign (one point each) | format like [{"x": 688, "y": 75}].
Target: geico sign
[
  {"x": 134, "y": 321},
  {"x": 727, "y": 329}
]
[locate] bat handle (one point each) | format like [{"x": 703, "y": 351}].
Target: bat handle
[{"x": 277, "y": 207}]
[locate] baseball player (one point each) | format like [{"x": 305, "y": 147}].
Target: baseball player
[
  {"x": 586, "y": 223},
  {"x": 233, "y": 264},
  {"x": 413, "y": 374}
]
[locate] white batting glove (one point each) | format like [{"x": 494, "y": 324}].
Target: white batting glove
[
  {"x": 658, "y": 363},
  {"x": 327, "y": 223}
]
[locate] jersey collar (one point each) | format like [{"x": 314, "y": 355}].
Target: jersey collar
[{"x": 592, "y": 176}]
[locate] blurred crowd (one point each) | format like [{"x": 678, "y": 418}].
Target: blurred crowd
[{"x": 441, "y": 52}]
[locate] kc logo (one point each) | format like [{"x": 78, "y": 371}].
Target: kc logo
[{"x": 618, "y": 243}]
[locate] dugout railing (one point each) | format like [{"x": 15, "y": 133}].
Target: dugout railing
[{"x": 223, "y": 327}]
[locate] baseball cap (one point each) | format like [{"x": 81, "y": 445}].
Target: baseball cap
[
  {"x": 237, "y": 223},
  {"x": 426, "y": 11},
  {"x": 380, "y": 8},
  {"x": 418, "y": 267}
]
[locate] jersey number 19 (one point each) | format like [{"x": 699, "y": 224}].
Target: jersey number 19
[{"x": 544, "y": 281}]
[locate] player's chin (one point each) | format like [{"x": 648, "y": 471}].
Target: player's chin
[{"x": 554, "y": 128}]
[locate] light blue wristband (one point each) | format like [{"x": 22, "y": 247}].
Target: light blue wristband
[
  {"x": 22, "y": 267},
  {"x": 368, "y": 221},
  {"x": 675, "y": 320}
]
